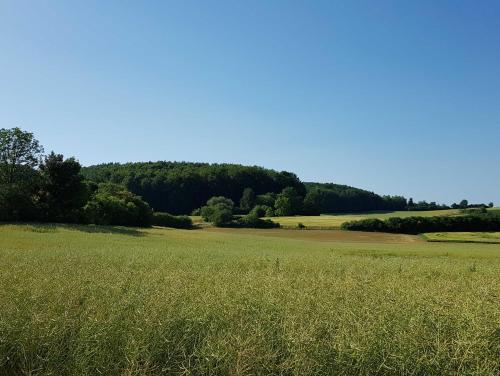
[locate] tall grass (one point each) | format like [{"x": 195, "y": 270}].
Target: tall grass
[{"x": 76, "y": 302}]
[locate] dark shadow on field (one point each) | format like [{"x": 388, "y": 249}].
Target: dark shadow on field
[{"x": 54, "y": 227}]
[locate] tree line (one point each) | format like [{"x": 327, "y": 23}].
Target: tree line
[
  {"x": 51, "y": 188},
  {"x": 418, "y": 225}
]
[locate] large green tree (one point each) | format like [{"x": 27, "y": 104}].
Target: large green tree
[
  {"x": 20, "y": 154},
  {"x": 247, "y": 201},
  {"x": 219, "y": 210},
  {"x": 288, "y": 202},
  {"x": 63, "y": 192}
]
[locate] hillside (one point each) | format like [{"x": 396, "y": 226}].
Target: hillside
[{"x": 180, "y": 187}]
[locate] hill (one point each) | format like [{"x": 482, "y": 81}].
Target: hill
[{"x": 180, "y": 187}]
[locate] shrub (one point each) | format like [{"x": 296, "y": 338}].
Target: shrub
[
  {"x": 288, "y": 202},
  {"x": 196, "y": 212},
  {"x": 253, "y": 221},
  {"x": 219, "y": 211},
  {"x": 112, "y": 204},
  {"x": 174, "y": 221},
  {"x": 480, "y": 210},
  {"x": 301, "y": 226},
  {"x": 270, "y": 212},
  {"x": 259, "y": 210},
  {"x": 417, "y": 225}
]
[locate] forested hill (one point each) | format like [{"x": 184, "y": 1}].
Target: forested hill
[
  {"x": 180, "y": 187},
  {"x": 337, "y": 198}
]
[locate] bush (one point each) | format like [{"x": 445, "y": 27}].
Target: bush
[
  {"x": 418, "y": 225},
  {"x": 259, "y": 210},
  {"x": 288, "y": 202},
  {"x": 480, "y": 210},
  {"x": 301, "y": 226},
  {"x": 252, "y": 221},
  {"x": 174, "y": 221},
  {"x": 270, "y": 212},
  {"x": 196, "y": 212},
  {"x": 112, "y": 204},
  {"x": 219, "y": 211}
]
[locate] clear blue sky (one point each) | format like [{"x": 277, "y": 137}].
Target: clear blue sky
[{"x": 398, "y": 97}]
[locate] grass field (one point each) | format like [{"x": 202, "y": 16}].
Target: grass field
[
  {"x": 326, "y": 221},
  {"x": 466, "y": 237},
  {"x": 114, "y": 301}
]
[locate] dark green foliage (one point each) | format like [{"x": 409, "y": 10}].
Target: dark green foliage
[
  {"x": 219, "y": 210},
  {"x": 179, "y": 187},
  {"x": 19, "y": 152},
  {"x": 314, "y": 202},
  {"x": 267, "y": 199},
  {"x": 301, "y": 226},
  {"x": 480, "y": 210},
  {"x": 418, "y": 225},
  {"x": 112, "y": 204},
  {"x": 62, "y": 192},
  {"x": 424, "y": 205},
  {"x": 253, "y": 221},
  {"x": 288, "y": 202},
  {"x": 335, "y": 198},
  {"x": 270, "y": 212},
  {"x": 19, "y": 156},
  {"x": 169, "y": 220},
  {"x": 260, "y": 210},
  {"x": 247, "y": 200}
]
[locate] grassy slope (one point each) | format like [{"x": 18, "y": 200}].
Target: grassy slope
[{"x": 125, "y": 302}]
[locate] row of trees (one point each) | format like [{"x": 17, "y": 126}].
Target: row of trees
[
  {"x": 38, "y": 187},
  {"x": 424, "y": 205},
  {"x": 181, "y": 187},
  {"x": 418, "y": 225},
  {"x": 50, "y": 188}
]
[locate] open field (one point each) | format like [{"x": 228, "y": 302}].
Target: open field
[
  {"x": 334, "y": 221},
  {"x": 466, "y": 237},
  {"x": 117, "y": 301}
]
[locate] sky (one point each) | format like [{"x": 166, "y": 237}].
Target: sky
[{"x": 397, "y": 97}]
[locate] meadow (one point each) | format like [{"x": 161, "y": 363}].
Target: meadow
[
  {"x": 334, "y": 221},
  {"x": 86, "y": 300}
]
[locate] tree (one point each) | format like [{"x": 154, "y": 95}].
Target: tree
[
  {"x": 63, "y": 193},
  {"x": 288, "y": 202},
  {"x": 19, "y": 156},
  {"x": 219, "y": 210},
  {"x": 490, "y": 205},
  {"x": 464, "y": 204},
  {"x": 112, "y": 204},
  {"x": 313, "y": 202},
  {"x": 19, "y": 152},
  {"x": 411, "y": 204},
  {"x": 247, "y": 201}
]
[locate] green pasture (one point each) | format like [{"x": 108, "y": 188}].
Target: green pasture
[{"x": 334, "y": 221}]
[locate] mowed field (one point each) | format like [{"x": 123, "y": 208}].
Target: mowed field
[
  {"x": 113, "y": 301},
  {"x": 334, "y": 221}
]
